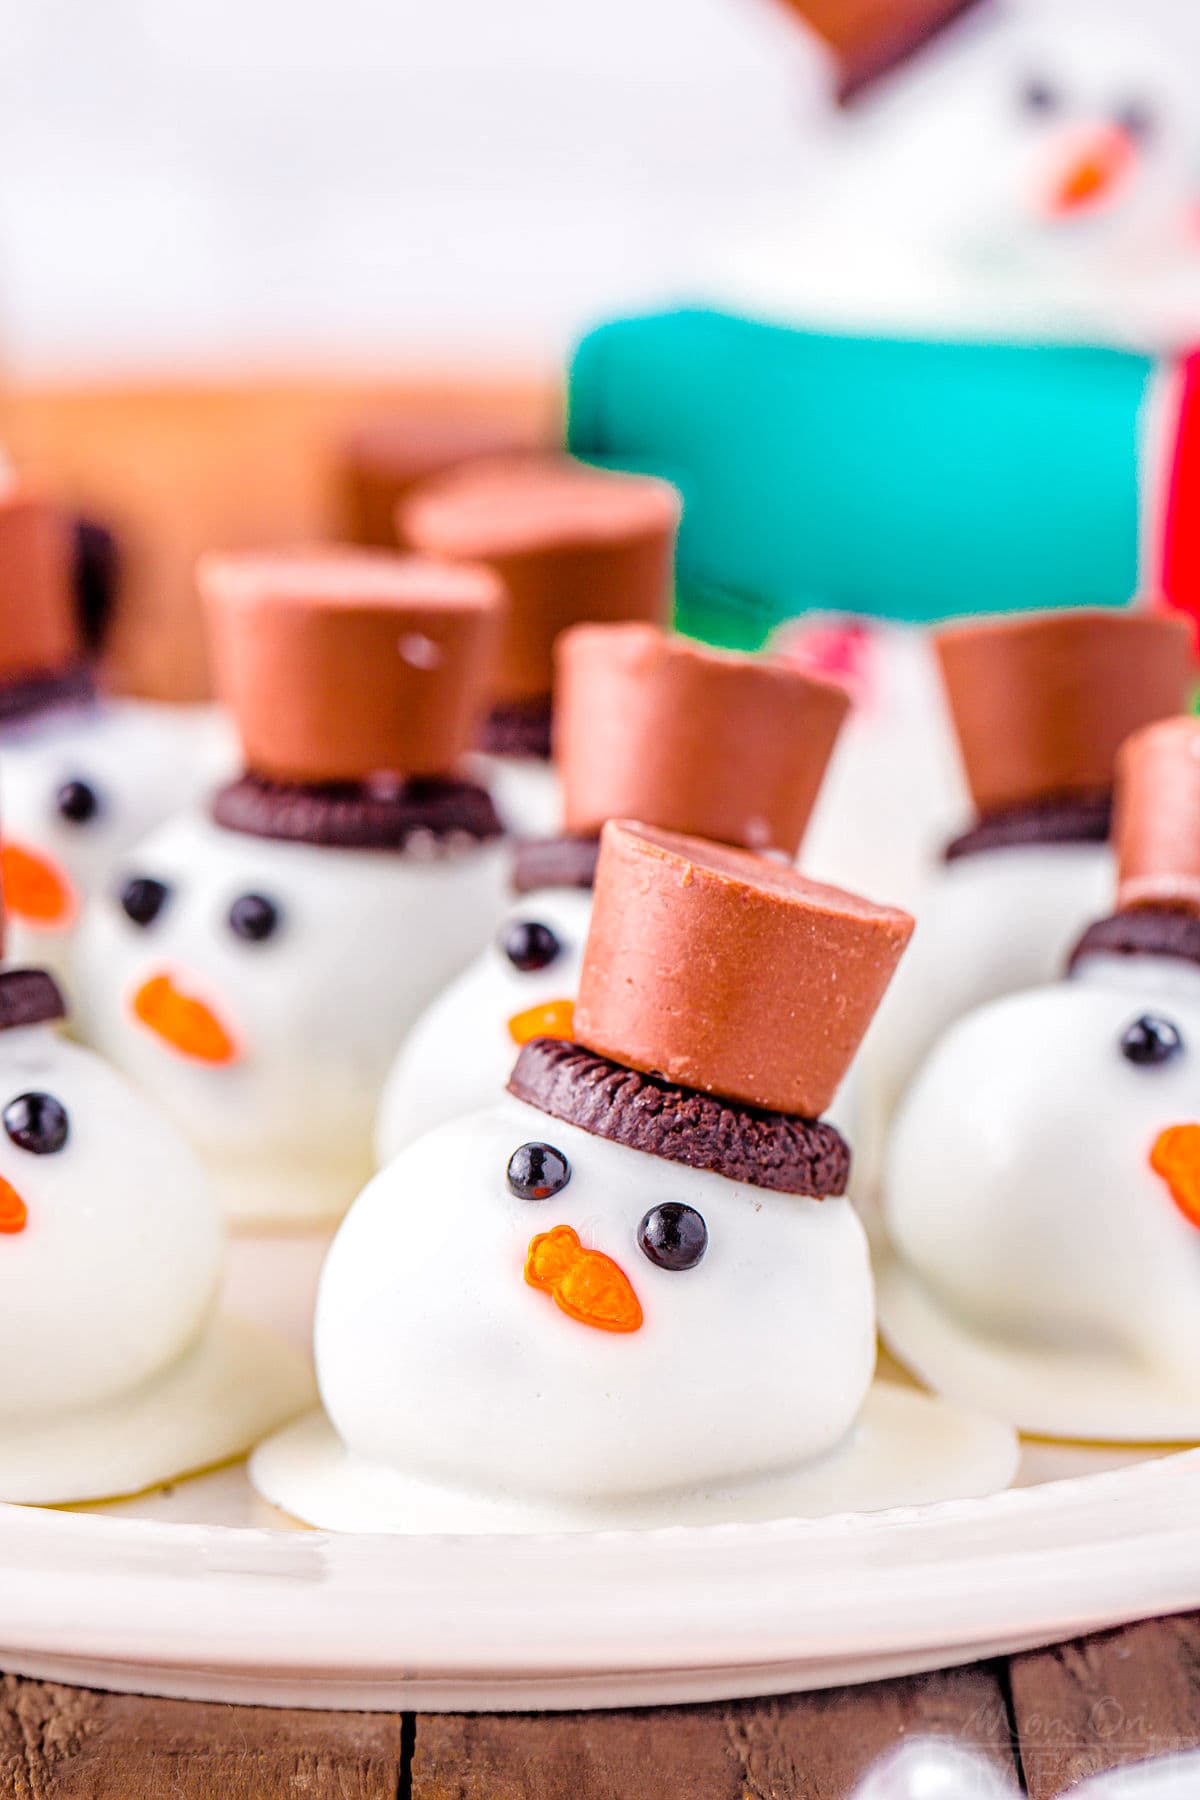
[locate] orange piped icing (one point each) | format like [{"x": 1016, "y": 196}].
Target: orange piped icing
[
  {"x": 183, "y": 1022},
  {"x": 585, "y": 1284},
  {"x": 1176, "y": 1157}
]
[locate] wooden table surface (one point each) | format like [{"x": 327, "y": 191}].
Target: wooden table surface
[{"x": 1047, "y": 1719}]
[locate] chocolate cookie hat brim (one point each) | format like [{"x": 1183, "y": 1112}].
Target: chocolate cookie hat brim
[
  {"x": 570, "y": 542},
  {"x": 1042, "y": 704},
  {"x": 728, "y": 973},
  {"x": 343, "y": 665},
  {"x": 704, "y": 742}
]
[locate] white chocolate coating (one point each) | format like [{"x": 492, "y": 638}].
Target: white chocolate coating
[
  {"x": 434, "y": 1354},
  {"x": 527, "y": 793},
  {"x": 142, "y": 761},
  {"x": 460, "y": 1397},
  {"x": 365, "y": 938},
  {"x": 1043, "y": 1270},
  {"x": 990, "y": 924},
  {"x": 116, "y": 1270},
  {"x": 459, "y": 1054},
  {"x": 118, "y": 1372}
]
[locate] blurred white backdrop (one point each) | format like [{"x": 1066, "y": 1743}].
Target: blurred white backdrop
[
  {"x": 206, "y": 181},
  {"x": 199, "y": 184}
]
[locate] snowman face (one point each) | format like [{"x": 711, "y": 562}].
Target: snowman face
[
  {"x": 460, "y": 1052},
  {"x": 258, "y": 988},
  {"x": 516, "y": 1305},
  {"x": 990, "y": 924},
  {"x": 110, "y": 1244},
  {"x": 1026, "y": 148},
  {"x": 78, "y": 789},
  {"x": 1043, "y": 1182}
]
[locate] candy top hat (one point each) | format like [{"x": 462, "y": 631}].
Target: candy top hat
[
  {"x": 737, "y": 992},
  {"x": 357, "y": 680},
  {"x": 706, "y": 742},
  {"x": 41, "y": 647},
  {"x": 1041, "y": 706},
  {"x": 1156, "y": 835},
  {"x": 571, "y": 543},
  {"x": 870, "y": 37},
  {"x": 382, "y": 460}
]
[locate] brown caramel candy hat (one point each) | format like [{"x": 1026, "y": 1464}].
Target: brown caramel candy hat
[
  {"x": 343, "y": 664},
  {"x": 1041, "y": 704},
  {"x": 729, "y": 973},
  {"x": 706, "y": 742},
  {"x": 570, "y": 542}
]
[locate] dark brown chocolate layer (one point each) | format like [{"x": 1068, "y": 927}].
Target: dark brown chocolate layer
[
  {"x": 1067, "y": 819},
  {"x": 97, "y": 577},
  {"x": 764, "y": 1149},
  {"x": 29, "y": 997},
  {"x": 350, "y": 816},
  {"x": 522, "y": 728},
  {"x": 33, "y": 694},
  {"x": 1141, "y": 931},
  {"x": 557, "y": 862}
]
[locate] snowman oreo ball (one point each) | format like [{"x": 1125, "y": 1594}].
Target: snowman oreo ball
[
  {"x": 646, "y": 726},
  {"x": 1042, "y": 1190},
  {"x": 571, "y": 543},
  {"x": 83, "y": 778},
  {"x": 254, "y": 968},
  {"x": 632, "y": 1292},
  {"x": 1040, "y": 707},
  {"x": 121, "y": 1374}
]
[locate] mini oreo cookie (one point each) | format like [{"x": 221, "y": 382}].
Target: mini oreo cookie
[
  {"x": 521, "y": 728},
  {"x": 1141, "y": 931},
  {"x": 29, "y": 997},
  {"x": 764, "y": 1149},
  {"x": 29, "y": 695},
  {"x": 1067, "y": 819},
  {"x": 557, "y": 862},
  {"x": 353, "y": 816}
]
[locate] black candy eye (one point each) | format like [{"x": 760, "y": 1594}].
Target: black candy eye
[
  {"x": 253, "y": 917},
  {"x": 143, "y": 898},
  {"x": 37, "y": 1122},
  {"x": 529, "y": 945},
  {"x": 1137, "y": 118},
  {"x": 1150, "y": 1041},
  {"x": 1040, "y": 96},
  {"x": 538, "y": 1171},
  {"x": 77, "y": 802},
  {"x": 673, "y": 1236}
]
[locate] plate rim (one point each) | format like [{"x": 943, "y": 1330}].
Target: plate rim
[{"x": 1038, "y": 1563}]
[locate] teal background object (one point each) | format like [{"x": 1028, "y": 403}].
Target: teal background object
[{"x": 894, "y": 478}]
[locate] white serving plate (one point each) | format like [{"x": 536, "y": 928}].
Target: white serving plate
[{"x": 183, "y": 1593}]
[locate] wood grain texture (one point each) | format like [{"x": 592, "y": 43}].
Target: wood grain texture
[
  {"x": 61, "y": 1743},
  {"x": 1105, "y": 1701},
  {"x": 803, "y": 1747}
]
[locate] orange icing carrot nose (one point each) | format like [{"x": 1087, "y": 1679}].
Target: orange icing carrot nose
[
  {"x": 36, "y": 889},
  {"x": 182, "y": 1021},
  {"x": 1092, "y": 173},
  {"x": 586, "y": 1284},
  {"x": 553, "y": 1019},
  {"x": 13, "y": 1211},
  {"x": 1176, "y": 1157}
]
